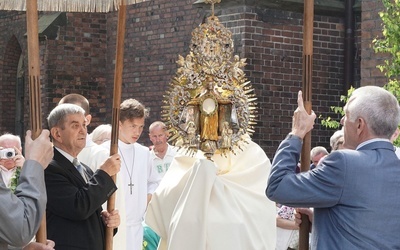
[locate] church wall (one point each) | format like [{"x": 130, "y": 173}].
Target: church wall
[
  {"x": 76, "y": 63},
  {"x": 82, "y": 59},
  {"x": 11, "y": 41},
  {"x": 371, "y": 27},
  {"x": 72, "y": 62},
  {"x": 157, "y": 32},
  {"x": 271, "y": 40}
]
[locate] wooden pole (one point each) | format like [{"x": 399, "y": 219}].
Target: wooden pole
[
  {"x": 34, "y": 87},
  {"x": 308, "y": 25},
  {"x": 119, "y": 65},
  {"x": 34, "y": 68}
]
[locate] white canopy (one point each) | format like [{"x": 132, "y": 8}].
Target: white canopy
[{"x": 68, "y": 5}]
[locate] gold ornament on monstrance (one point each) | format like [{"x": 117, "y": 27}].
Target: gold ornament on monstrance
[{"x": 210, "y": 105}]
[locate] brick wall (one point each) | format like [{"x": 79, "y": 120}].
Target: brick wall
[
  {"x": 8, "y": 90},
  {"x": 371, "y": 29},
  {"x": 73, "y": 62},
  {"x": 12, "y": 46},
  {"x": 76, "y": 63},
  {"x": 271, "y": 40},
  {"x": 81, "y": 59},
  {"x": 157, "y": 32}
]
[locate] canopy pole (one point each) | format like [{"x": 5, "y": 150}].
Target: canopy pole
[
  {"x": 119, "y": 65},
  {"x": 34, "y": 68},
  {"x": 34, "y": 87},
  {"x": 308, "y": 25}
]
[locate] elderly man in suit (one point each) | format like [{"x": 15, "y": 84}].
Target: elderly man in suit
[
  {"x": 75, "y": 219},
  {"x": 92, "y": 155},
  {"x": 21, "y": 211},
  {"x": 354, "y": 191}
]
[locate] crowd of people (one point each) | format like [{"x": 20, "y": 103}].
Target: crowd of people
[{"x": 65, "y": 174}]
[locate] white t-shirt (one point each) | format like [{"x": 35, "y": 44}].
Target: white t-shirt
[{"x": 160, "y": 166}]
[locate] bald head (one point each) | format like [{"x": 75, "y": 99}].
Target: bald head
[
  {"x": 80, "y": 101},
  {"x": 76, "y": 99}
]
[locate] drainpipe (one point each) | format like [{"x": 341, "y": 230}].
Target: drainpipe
[{"x": 348, "y": 46}]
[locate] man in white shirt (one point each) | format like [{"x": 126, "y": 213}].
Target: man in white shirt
[{"x": 162, "y": 153}]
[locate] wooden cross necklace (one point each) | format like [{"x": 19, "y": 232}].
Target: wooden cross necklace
[{"x": 130, "y": 185}]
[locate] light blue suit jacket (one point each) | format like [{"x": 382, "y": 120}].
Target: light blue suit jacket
[
  {"x": 355, "y": 194},
  {"x": 21, "y": 213}
]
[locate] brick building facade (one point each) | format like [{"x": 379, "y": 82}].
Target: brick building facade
[
  {"x": 78, "y": 56},
  {"x": 371, "y": 27}
]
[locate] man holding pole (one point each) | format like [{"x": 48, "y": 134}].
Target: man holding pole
[
  {"x": 354, "y": 191},
  {"x": 22, "y": 210},
  {"x": 75, "y": 219}
]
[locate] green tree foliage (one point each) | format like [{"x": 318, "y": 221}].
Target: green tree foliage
[
  {"x": 328, "y": 122},
  {"x": 389, "y": 44}
]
